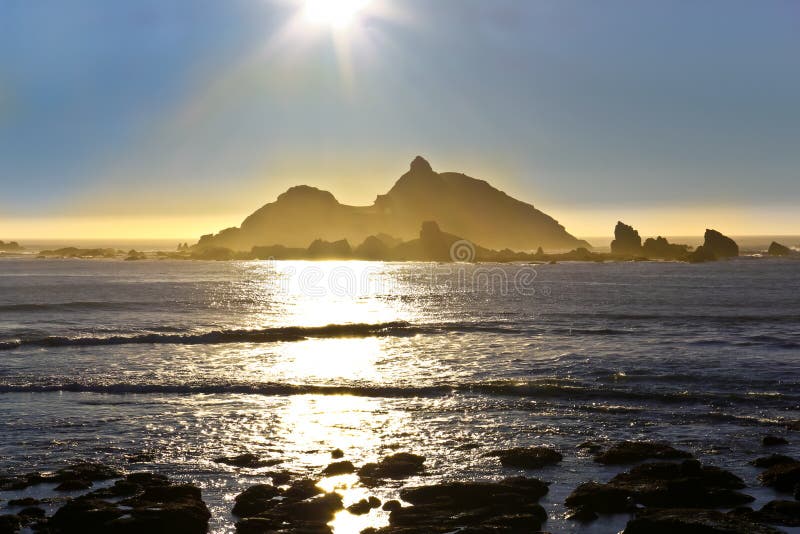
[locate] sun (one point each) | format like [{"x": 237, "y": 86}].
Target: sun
[{"x": 335, "y": 13}]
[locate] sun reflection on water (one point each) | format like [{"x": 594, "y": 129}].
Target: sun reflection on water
[{"x": 318, "y": 424}]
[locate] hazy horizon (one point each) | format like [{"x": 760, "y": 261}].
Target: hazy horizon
[{"x": 137, "y": 121}]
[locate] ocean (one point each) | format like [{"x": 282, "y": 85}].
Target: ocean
[{"x": 189, "y": 361}]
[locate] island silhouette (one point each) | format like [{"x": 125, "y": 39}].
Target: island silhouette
[{"x": 459, "y": 204}]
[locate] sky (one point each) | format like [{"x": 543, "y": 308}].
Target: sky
[{"x": 175, "y": 118}]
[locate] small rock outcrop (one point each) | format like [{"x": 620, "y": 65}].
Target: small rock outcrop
[
  {"x": 527, "y": 457},
  {"x": 627, "y": 241},
  {"x": 397, "y": 466},
  {"x": 628, "y": 452},
  {"x": 719, "y": 245},
  {"x": 776, "y": 249},
  {"x": 246, "y": 460},
  {"x": 660, "y": 248}
]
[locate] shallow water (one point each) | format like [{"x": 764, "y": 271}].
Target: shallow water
[{"x": 192, "y": 360}]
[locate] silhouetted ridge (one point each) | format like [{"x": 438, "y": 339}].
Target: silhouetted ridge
[{"x": 464, "y": 206}]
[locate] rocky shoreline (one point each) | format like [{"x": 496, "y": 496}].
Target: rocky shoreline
[{"x": 662, "y": 489}]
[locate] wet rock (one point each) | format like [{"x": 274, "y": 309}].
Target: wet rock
[
  {"x": 374, "y": 502},
  {"x": 339, "y": 468},
  {"x": 786, "y": 513},
  {"x": 140, "y": 458},
  {"x": 302, "y": 489},
  {"x": 31, "y": 512},
  {"x": 391, "y": 506},
  {"x": 307, "y": 516},
  {"x": 10, "y": 524},
  {"x": 602, "y": 498},
  {"x": 337, "y": 454},
  {"x": 783, "y": 477},
  {"x": 17, "y": 482},
  {"x": 90, "y": 471},
  {"x": 693, "y": 521},
  {"x": 74, "y": 485},
  {"x": 591, "y": 447},
  {"x": 772, "y": 459},
  {"x": 254, "y": 500},
  {"x": 360, "y": 508},
  {"x": 626, "y": 452},
  {"x": 84, "y": 515},
  {"x": 247, "y": 460},
  {"x": 662, "y": 485},
  {"x": 583, "y": 515},
  {"x": 506, "y": 506},
  {"x": 397, "y": 466},
  {"x": 279, "y": 478},
  {"x": 27, "y": 501},
  {"x": 527, "y": 457},
  {"x": 770, "y": 441},
  {"x": 155, "y": 506}
]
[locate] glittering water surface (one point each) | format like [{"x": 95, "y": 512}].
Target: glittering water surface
[{"x": 193, "y": 360}]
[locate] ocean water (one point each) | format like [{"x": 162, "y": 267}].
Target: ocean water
[{"x": 289, "y": 360}]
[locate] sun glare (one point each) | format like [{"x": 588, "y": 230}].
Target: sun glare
[{"x": 335, "y": 13}]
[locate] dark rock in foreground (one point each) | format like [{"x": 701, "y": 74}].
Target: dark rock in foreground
[
  {"x": 506, "y": 506},
  {"x": 626, "y": 452},
  {"x": 527, "y": 457},
  {"x": 396, "y": 466},
  {"x": 692, "y": 521},
  {"x": 783, "y": 477},
  {"x": 302, "y": 507},
  {"x": 785, "y": 513},
  {"x": 662, "y": 485},
  {"x": 156, "y": 506},
  {"x": 10, "y": 524}
]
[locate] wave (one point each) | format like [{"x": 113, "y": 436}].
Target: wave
[
  {"x": 76, "y": 306},
  {"x": 265, "y": 335},
  {"x": 298, "y": 333},
  {"x": 567, "y": 391}
]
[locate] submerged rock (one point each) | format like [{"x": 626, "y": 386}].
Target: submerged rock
[
  {"x": 693, "y": 521},
  {"x": 246, "y": 460},
  {"x": 771, "y": 441},
  {"x": 527, "y": 457},
  {"x": 397, "y": 466},
  {"x": 626, "y": 452}
]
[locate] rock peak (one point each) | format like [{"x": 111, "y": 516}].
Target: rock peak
[{"x": 420, "y": 164}]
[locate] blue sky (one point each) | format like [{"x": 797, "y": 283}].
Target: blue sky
[{"x": 663, "y": 112}]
